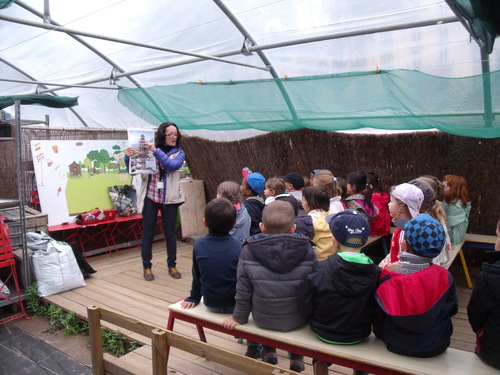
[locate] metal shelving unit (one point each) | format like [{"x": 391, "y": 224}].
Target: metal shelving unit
[{"x": 20, "y": 201}]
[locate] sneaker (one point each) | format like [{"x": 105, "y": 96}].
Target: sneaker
[
  {"x": 320, "y": 368},
  {"x": 148, "y": 275},
  {"x": 270, "y": 356},
  {"x": 297, "y": 362},
  {"x": 174, "y": 273},
  {"x": 254, "y": 351}
]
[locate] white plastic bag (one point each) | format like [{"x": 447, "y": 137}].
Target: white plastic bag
[
  {"x": 4, "y": 291},
  {"x": 54, "y": 265}
]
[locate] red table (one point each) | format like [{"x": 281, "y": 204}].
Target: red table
[{"x": 110, "y": 233}]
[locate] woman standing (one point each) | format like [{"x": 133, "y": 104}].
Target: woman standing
[{"x": 162, "y": 192}]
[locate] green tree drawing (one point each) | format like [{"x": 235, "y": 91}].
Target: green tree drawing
[
  {"x": 104, "y": 159},
  {"x": 95, "y": 157}
]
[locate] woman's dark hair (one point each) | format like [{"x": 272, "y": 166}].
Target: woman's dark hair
[
  {"x": 317, "y": 197},
  {"x": 220, "y": 216},
  {"x": 160, "y": 136},
  {"x": 359, "y": 180}
]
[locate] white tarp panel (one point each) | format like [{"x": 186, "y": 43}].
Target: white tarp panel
[{"x": 31, "y": 53}]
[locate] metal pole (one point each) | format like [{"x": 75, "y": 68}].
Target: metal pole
[
  {"x": 245, "y": 33},
  {"x": 111, "y": 62},
  {"x": 123, "y": 41},
  {"x": 485, "y": 68},
  {"x": 262, "y": 47},
  {"x": 21, "y": 200}
]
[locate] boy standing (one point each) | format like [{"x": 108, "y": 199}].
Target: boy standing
[
  {"x": 252, "y": 185},
  {"x": 416, "y": 301},
  {"x": 215, "y": 260},
  {"x": 272, "y": 264},
  {"x": 338, "y": 297}
]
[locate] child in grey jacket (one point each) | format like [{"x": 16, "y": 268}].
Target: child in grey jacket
[{"x": 272, "y": 264}]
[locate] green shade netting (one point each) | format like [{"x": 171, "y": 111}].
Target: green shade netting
[
  {"x": 39, "y": 99},
  {"x": 394, "y": 100}
]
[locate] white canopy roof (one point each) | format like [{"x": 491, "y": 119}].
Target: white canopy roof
[{"x": 111, "y": 43}]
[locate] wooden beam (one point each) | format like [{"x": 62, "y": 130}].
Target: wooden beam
[{"x": 94, "y": 318}]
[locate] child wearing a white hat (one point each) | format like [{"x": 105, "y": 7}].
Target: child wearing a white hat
[{"x": 405, "y": 203}]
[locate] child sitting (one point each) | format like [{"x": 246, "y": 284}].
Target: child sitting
[
  {"x": 215, "y": 258},
  {"x": 274, "y": 187},
  {"x": 381, "y": 226},
  {"x": 272, "y": 265},
  {"x": 417, "y": 300},
  {"x": 251, "y": 186},
  {"x": 360, "y": 195},
  {"x": 294, "y": 184},
  {"x": 432, "y": 207},
  {"x": 231, "y": 191},
  {"x": 484, "y": 308},
  {"x": 405, "y": 203},
  {"x": 339, "y": 295},
  {"x": 316, "y": 203},
  {"x": 327, "y": 180},
  {"x": 457, "y": 206}
]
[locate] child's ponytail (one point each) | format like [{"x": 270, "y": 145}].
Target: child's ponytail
[
  {"x": 368, "y": 194},
  {"x": 360, "y": 181}
]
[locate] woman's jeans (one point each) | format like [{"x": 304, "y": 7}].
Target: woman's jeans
[{"x": 149, "y": 217}]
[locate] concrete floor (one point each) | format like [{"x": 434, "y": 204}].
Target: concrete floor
[{"x": 26, "y": 348}]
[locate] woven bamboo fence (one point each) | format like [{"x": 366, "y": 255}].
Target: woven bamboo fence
[{"x": 396, "y": 158}]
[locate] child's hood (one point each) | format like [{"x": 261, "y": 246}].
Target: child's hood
[
  {"x": 414, "y": 294},
  {"x": 280, "y": 253}
]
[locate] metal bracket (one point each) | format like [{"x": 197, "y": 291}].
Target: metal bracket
[
  {"x": 246, "y": 49},
  {"x": 112, "y": 77}
]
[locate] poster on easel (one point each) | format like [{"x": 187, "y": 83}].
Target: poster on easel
[
  {"x": 143, "y": 160},
  {"x": 73, "y": 177}
]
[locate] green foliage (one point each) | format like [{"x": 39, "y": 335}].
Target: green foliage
[
  {"x": 34, "y": 305},
  {"x": 69, "y": 322},
  {"x": 112, "y": 342},
  {"x": 115, "y": 343}
]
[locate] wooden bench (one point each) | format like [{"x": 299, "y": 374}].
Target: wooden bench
[
  {"x": 480, "y": 241},
  {"x": 371, "y": 355}
]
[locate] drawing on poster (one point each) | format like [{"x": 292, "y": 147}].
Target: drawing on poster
[
  {"x": 73, "y": 176},
  {"x": 143, "y": 160}
]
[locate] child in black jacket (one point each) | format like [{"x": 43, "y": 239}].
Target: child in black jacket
[
  {"x": 484, "y": 308},
  {"x": 339, "y": 296}
]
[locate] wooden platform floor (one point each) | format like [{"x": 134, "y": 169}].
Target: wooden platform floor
[{"x": 119, "y": 285}]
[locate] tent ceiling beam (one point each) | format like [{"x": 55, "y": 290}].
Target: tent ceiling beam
[
  {"x": 62, "y": 85},
  {"x": 114, "y": 64},
  {"x": 348, "y": 34},
  {"x": 250, "y": 41},
  {"x": 27, "y": 75},
  {"x": 263, "y": 47},
  {"x": 52, "y": 27}
]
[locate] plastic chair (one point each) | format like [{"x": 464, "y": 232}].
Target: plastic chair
[{"x": 35, "y": 199}]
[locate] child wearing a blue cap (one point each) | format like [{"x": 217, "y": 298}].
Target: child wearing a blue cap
[
  {"x": 338, "y": 297},
  {"x": 417, "y": 300},
  {"x": 251, "y": 187}
]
